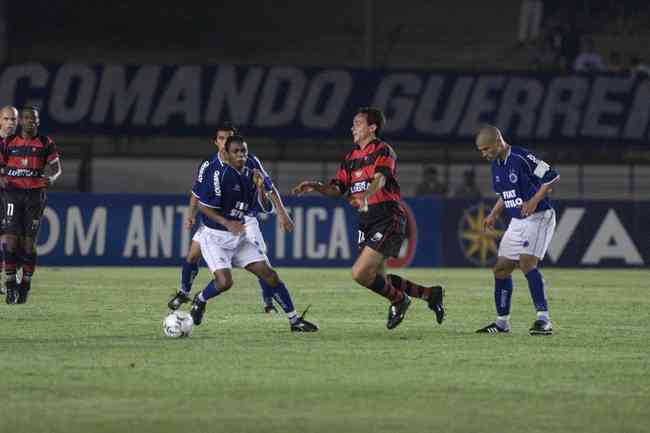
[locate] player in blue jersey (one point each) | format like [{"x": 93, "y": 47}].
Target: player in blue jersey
[
  {"x": 522, "y": 182},
  {"x": 190, "y": 268},
  {"x": 228, "y": 192}
]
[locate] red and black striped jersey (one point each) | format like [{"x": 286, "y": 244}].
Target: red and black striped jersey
[
  {"x": 358, "y": 169},
  {"x": 24, "y": 160}
]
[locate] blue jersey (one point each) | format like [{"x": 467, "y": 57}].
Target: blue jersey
[
  {"x": 519, "y": 177},
  {"x": 252, "y": 162}
]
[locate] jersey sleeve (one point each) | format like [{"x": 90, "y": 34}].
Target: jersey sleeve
[
  {"x": 386, "y": 161},
  {"x": 540, "y": 169},
  {"x": 196, "y": 186},
  {"x": 210, "y": 187},
  {"x": 341, "y": 179},
  {"x": 51, "y": 151},
  {"x": 258, "y": 165},
  {"x": 3, "y": 152}
]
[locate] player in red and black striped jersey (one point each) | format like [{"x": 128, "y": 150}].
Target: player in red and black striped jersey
[
  {"x": 8, "y": 123},
  {"x": 30, "y": 163},
  {"x": 367, "y": 177}
]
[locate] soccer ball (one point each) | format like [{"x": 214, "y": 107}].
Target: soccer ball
[{"x": 178, "y": 324}]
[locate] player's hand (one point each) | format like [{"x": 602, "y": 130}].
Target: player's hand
[
  {"x": 258, "y": 178},
  {"x": 189, "y": 222},
  {"x": 234, "y": 227},
  {"x": 304, "y": 187},
  {"x": 360, "y": 202},
  {"x": 3, "y": 181},
  {"x": 489, "y": 222},
  {"x": 528, "y": 208},
  {"x": 286, "y": 223}
]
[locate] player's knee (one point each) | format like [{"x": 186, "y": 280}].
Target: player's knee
[
  {"x": 502, "y": 271},
  {"x": 528, "y": 264},
  {"x": 223, "y": 282},
  {"x": 362, "y": 275},
  {"x": 272, "y": 279},
  {"x": 194, "y": 254}
]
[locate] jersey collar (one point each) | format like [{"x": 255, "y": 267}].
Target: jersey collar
[{"x": 500, "y": 162}]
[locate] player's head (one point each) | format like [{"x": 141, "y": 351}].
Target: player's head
[
  {"x": 367, "y": 124},
  {"x": 489, "y": 142},
  {"x": 8, "y": 120},
  {"x": 237, "y": 151},
  {"x": 29, "y": 120},
  {"x": 222, "y": 132}
]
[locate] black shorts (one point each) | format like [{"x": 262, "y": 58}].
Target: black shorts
[
  {"x": 384, "y": 235},
  {"x": 23, "y": 209}
]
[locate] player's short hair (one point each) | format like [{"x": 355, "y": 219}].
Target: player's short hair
[
  {"x": 31, "y": 108},
  {"x": 225, "y": 126},
  {"x": 236, "y": 138},
  {"x": 375, "y": 117}
]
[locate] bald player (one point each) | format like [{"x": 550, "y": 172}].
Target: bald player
[
  {"x": 522, "y": 182},
  {"x": 8, "y": 123}
]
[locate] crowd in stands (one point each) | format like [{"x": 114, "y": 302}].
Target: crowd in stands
[{"x": 432, "y": 186}]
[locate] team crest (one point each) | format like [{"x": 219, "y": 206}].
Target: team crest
[
  {"x": 513, "y": 177},
  {"x": 376, "y": 237}
]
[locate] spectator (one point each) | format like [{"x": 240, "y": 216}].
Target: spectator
[
  {"x": 530, "y": 20},
  {"x": 589, "y": 60},
  {"x": 431, "y": 185},
  {"x": 468, "y": 189},
  {"x": 615, "y": 63}
]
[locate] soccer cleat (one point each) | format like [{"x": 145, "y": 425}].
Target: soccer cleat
[
  {"x": 435, "y": 303},
  {"x": 541, "y": 327},
  {"x": 301, "y": 325},
  {"x": 492, "y": 328},
  {"x": 12, "y": 294},
  {"x": 197, "y": 310},
  {"x": 270, "y": 309},
  {"x": 179, "y": 299},
  {"x": 397, "y": 311},
  {"x": 23, "y": 294}
]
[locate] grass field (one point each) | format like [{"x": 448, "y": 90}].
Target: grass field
[{"x": 87, "y": 355}]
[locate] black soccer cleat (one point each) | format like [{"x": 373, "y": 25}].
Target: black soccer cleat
[
  {"x": 435, "y": 303},
  {"x": 492, "y": 328},
  {"x": 541, "y": 327},
  {"x": 197, "y": 310},
  {"x": 397, "y": 312},
  {"x": 270, "y": 309},
  {"x": 23, "y": 294},
  {"x": 12, "y": 294},
  {"x": 302, "y": 325},
  {"x": 179, "y": 299}
]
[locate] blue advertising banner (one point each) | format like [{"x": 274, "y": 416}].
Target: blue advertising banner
[
  {"x": 588, "y": 233},
  {"x": 287, "y": 101},
  {"x": 146, "y": 230}
]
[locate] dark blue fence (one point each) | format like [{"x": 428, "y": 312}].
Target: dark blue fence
[{"x": 138, "y": 230}]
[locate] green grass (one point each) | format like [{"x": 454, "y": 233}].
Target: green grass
[{"x": 87, "y": 355}]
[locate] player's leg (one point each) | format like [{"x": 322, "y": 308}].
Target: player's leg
[
  {"x": 539, "y": 231},
  {"x": 433, "y": 295},
  {"x": 189, "y": 271},
  {"x": 219, "y": 261},
  {"x": 262, "y": 270},
  {"x": 34, "y": 206},
  {"x": 2, "y": 245},
  {"x": 13, "y": 227},
  {"x": 507, "y": 257},
  {"x": 255, "y": 236}
]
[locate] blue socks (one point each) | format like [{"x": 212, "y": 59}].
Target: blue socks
[
  {"x": 536, "y": 286},
  {"x": 502, "y": 300},
  {"x": 282, "y": 297},
  {"x": 210, "y": 291},
  {"x": 188, "y": 273},
  {"x": 267, "y": 292}
]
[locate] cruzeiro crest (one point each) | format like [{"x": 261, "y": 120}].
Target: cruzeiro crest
[{"x": 478, "y": 246}]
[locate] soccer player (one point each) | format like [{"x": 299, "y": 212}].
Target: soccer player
[
  {"x": 227, "y": 193},
  {"x": 190, "y": 267},
  {"x": 367, "y": 177},
  {"x": 8, "y": 123},
  {"x": 26, "y": 158},
  {"x": 522, "y": 182}
]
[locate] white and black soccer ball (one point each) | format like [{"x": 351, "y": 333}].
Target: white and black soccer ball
[{"x": 178, "y": 324}]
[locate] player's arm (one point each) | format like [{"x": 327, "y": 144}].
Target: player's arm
[
  {"x": 55, "y": 170},
  {"x": 528, "y": 207},
  {"x": 361, "y": 201},
  {"x": 546, "y": 175},
  {"x": 192, "y": 210},
  {"x": 491, "y": 219},
  {"x": 212, "y": 213},
  {"x": 328, "y": 190},
  {"x": 285, "y": 220}
]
